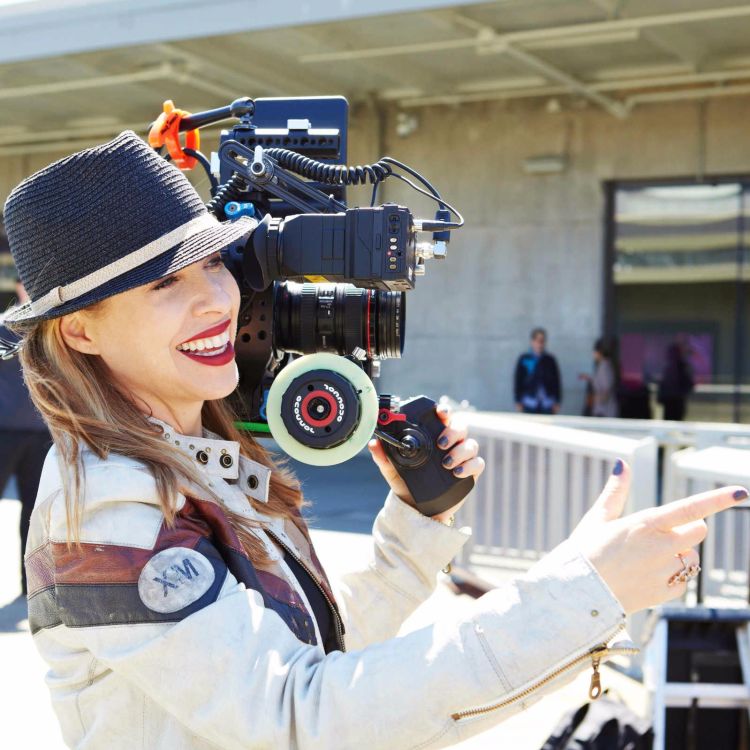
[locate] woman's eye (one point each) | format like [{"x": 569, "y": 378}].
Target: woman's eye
[
  {"x": 166, "y": 283},
  {"x": 215, "y": 261}
]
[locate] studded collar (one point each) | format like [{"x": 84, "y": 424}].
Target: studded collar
[{"x": 221, "y": 458}]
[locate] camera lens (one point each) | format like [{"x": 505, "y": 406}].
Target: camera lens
[{"x": 338, "y": 318}]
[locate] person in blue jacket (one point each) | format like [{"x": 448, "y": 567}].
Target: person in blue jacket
[{"x": 537, "y": 385}]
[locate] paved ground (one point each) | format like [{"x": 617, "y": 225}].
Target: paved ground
[{"x": 345, "y": 500}]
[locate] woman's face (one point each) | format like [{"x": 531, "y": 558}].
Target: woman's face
[{"x": 169, "y": 343}]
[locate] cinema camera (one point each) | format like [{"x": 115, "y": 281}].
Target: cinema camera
[{"x": 319, "y": 279}]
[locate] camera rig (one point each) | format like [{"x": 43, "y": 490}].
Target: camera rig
[{"x": 319, "y": 279}]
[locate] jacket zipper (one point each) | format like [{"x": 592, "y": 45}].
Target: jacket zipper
[
  {"x": 595, "y": 690},
  {"x": 338, "y": 625}
]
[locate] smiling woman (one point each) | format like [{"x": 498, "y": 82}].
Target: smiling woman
[
  {"x": 148, "y": 339},
  {"x": 173, "y": 587}
]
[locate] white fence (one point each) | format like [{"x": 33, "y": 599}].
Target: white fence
[
  {"x": 671, "y": 436},
  {"x": 539, "y": 481},
  {"x": 725, "y": 555}
]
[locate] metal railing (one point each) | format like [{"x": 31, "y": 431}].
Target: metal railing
[
  {"x": 539, "y": 481},
  {"x": 668, "y": 434}
]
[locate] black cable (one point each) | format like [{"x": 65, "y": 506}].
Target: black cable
[
  {"x": 330, "y": 174},
  {"x": 205, "y": 163},
  {"x": 435, "y": 226},
  {"x": 412, "y": 172},
  {"x": 339, "y": 174},
  {"x": 233, "y": 189}
]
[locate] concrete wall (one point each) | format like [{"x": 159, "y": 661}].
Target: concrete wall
[{"x": 532, "y": 251}]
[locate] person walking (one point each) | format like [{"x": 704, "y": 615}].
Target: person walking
[
  {"x": 174, "y": 590},
  {"x": 537, "y": 385},
  {"x": 602, "y": 390},
  {"x": 676, "y": 383},
  {"x": 24, "y": 438}
]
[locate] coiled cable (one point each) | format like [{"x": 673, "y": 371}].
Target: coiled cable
[
  {"x": 330, "y": 174},
  {"x": 232, "y": 190}
]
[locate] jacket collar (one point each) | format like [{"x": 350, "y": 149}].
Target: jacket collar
[{"x": 220, "y": 458}]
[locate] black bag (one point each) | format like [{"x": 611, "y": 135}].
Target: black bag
[{"x": 604, "y": 724}]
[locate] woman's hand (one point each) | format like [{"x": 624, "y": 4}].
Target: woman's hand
[
  {"x": 461, "y": 457},
  {"x": 638, "y": 554}
]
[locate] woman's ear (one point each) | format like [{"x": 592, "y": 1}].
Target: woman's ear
[{"x": 75, "y": 329}]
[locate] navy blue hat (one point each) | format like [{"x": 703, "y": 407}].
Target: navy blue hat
[{"x": 105, "y": 220}]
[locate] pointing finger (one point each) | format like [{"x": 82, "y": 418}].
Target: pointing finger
[{"x": 697, "y": 507}]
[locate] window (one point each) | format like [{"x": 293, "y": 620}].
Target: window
[{"x": 678, "y": 272}]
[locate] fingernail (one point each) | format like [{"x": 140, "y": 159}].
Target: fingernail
[
  {"x": 447, "y": 461},
  {"x": 740, "y": 495},
  {"x": 619, "y": 466},
  {"x": 443, "y": 442},
  {"x": 458, "y": 470}
]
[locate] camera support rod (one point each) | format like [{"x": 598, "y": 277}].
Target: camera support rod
[{"x": 263, "y": 171}]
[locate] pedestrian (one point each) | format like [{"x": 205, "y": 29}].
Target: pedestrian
[
  {"x": 602, "y": 385},
  {"x": 173, "y": 588},
  {"x": 537, "y": 385},
  {"x": 676, "y": 383},
  {"x": 24, "y": 438}
]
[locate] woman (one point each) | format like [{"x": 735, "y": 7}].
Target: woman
[
  {"x": 676, "y": 383},
  {"x": 173, "y": 588},
  {"x": 602, "y": 386}
]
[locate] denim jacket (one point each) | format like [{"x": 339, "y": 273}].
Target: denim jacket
[{"x": 169, "y": 637}]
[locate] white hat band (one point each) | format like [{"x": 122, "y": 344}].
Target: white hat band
[{"x": 60, "y": 294}]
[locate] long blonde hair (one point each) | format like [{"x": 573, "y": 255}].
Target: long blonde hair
[{"x": 81, "y": 404}]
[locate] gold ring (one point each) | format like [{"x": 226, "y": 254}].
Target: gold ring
[{"x": 685, "y": 574}]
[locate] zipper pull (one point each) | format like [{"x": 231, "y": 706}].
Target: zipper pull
[{"x": 595, "y": 688}]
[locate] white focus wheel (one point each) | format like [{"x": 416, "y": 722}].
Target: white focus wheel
[{"x": 324, "y": 419}]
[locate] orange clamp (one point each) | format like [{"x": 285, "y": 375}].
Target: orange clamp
[{"x": 166, "y": 131}]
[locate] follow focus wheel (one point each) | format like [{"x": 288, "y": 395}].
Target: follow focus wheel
[{"x": 322, "y": 409}]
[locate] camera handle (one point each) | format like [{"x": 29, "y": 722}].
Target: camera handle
[{"x": 409, "y": 431}]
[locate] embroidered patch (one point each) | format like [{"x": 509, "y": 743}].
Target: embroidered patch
[{"x": 174, "y": 578}]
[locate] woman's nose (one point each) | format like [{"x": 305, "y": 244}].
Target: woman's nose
[{"x": 212, "y": 294}]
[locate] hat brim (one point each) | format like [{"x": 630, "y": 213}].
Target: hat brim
[{"x": 191, "y": 250}]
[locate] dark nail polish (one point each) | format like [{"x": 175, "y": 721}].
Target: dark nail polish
[
  {"x": 443, "y": 442},
  {"x": 458, "y": 470},
  {"x": 619, "y": 466},
  {"x": 447, "y": 461},
  {"x": 740, "y": 495}
]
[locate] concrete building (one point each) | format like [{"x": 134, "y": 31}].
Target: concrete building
[{"x": 548, "y": 124}]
